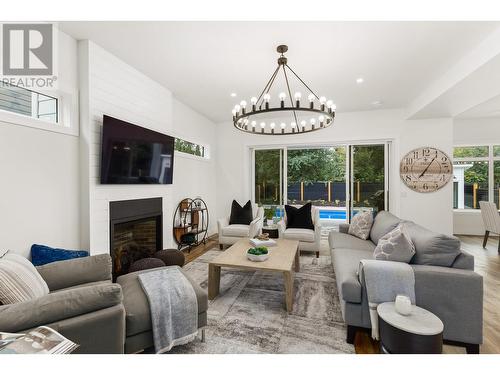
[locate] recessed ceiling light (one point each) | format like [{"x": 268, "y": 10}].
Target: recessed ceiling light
[
  {"x": 233, "y": 95},
  {"x": 359, "y": 80},
  {"x": 377, "y": 103}
]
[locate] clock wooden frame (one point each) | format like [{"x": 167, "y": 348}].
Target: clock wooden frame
[{"x": 426, "y": 169}]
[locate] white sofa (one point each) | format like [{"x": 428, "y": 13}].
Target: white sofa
[
  {"x": 229, "y": 234},
  {"x": 309, "y": 240}
]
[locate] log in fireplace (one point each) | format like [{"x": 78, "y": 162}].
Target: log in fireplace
[{"x": 135, "y": 231}]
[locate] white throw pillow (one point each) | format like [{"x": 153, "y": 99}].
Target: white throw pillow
[
  {"x": 19, "y": 280},
  {"x": 395, "y": 246},
  {"x": 361, "y": 224}
]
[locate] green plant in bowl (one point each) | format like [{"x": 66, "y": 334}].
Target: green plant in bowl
[{"x": 258, "y": 250}]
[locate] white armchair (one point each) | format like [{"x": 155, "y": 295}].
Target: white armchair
[
  {"x": 491, "y": 220},
  {"x": 230, "y": 234},
  {"x": 309, "y": 240}
]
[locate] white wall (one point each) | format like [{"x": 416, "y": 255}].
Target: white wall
[
  {"x": 473, "y": 132},
  {"x": 39, "y": 187},
  {"x": 433, "y": 210},
  {"x": 110, "y": 86}
]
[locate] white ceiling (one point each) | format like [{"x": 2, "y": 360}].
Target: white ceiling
[{"x": 203, "y": 62}]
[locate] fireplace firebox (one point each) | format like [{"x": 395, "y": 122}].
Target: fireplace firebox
[{"x": 135, "y": 231}]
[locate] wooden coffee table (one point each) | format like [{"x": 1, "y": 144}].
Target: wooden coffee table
[{"x": 284, "y": 258}]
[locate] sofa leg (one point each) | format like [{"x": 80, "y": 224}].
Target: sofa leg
[
  {"x": 317, "y": 254},
  {"x": 485, "y": 240},
  {"x": 472, "y": 348},
  {"x": 351, "y": 334},
  {"x": 221, "y": 246},
  {"x": 203, "y": 335}
]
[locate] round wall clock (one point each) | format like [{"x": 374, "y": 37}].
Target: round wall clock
[{"x": 426, "y": 169}]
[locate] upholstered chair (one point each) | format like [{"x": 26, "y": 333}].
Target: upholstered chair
[
  {"x": 309, "y": 240},
  {"x": 230, "y": 234},
  {"x": 491, "y": 220}
]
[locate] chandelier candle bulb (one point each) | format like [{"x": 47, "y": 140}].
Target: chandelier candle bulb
[
  {"x": 253, "y": 100},
  {"x": 267, "y": 98},
  {"x": 303, "y": 123},
  {"x": 297, "y": 95},
  {"x": 282, "y": 97}
]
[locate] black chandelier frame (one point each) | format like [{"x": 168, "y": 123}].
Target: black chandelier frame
[{"x": 241, "y": 118}]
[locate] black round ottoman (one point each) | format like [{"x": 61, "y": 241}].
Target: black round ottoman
[
  {"x": 146, "y": 264},
  {"x": 171, "y": 257}
]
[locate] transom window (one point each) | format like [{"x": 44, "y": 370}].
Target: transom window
[
  {"x": 28, "y": 103},
  {"x": 190, "y": 148},
  {"x": 476, "y": 175}
]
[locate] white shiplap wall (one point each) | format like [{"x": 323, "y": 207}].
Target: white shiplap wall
[{"x": 118, "y": 90}]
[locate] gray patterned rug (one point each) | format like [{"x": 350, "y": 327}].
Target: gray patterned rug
[{"x": 249, "y": 314}]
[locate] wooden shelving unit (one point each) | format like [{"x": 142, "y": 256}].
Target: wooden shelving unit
[{"x": 190, "y": 223}]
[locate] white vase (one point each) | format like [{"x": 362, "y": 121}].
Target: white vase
[
  {"x": 403, "y": 304},
  {"x": 270, "y": 222}
]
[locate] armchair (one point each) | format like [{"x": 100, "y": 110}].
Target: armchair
[
  {"x": 82, "y": 305},
  {"x": 309, "y": 240},
  {"x": 230, "y": 234}
]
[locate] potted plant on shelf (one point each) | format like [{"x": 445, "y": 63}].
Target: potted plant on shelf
[{"x": 269, "y": 215}]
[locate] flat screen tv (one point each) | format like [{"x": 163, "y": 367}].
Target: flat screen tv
[{"x": 131, "y": 154}]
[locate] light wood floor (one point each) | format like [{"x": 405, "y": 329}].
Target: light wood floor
[{"x": 487, "y": 264}]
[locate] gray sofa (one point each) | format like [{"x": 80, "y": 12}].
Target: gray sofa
[
  {"x": 445, "y": 281},
  {"x": 83, "y": 305},
  {"x": 139, "y": 335}
]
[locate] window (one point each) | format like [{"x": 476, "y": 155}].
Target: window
[
  {"x": 190, "y": 148},
  {"x": 28, "y": 103},
  {"x": 476, "y": 176}
]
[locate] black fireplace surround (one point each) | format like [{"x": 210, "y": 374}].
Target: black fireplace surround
[{"x": 135, "y": 231}]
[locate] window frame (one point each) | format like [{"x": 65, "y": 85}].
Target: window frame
[
  {"x": 206, "y": 149},
  {"x": 490, "y": 159},
  {"x": 67, "y": 121}
]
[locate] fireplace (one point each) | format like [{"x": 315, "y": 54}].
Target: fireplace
[{"x": 135, "y": 231}]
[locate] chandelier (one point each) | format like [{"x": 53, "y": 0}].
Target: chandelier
[{"x": 315, "y": 114}]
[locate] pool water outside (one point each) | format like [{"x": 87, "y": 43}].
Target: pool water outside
[{"x": 328, "y": 213}]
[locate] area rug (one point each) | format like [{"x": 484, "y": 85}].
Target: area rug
[{"x": 249, "y": 315}]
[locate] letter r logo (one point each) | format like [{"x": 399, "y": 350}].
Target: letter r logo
[{"x": 27, "y": 49}]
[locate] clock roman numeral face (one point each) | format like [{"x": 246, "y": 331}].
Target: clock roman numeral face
[{"x": 426, "y": 169}]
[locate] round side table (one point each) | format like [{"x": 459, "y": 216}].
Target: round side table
[
  {"x": 272, "y": 230},
  {"x": 421, "y": 332}
]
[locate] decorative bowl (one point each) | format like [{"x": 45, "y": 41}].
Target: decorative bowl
[{"x": 258, "y": 254}]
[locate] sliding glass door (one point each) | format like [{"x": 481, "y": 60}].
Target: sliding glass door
[
  {"x": 368, "y": 177},
  {"x": 268, "y": 179},
  {"x": 340, "y": 179}
]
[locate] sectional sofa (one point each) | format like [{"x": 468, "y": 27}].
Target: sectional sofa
[{"x": 445, "y": 281}]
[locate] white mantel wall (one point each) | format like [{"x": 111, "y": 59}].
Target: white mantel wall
[
  {"x": 110, "y": 86},
  {"x": 432, "y": 210}
]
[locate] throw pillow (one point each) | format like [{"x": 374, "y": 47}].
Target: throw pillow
[
  {"x": 241, "y": 215},
  {"x": 361, "y": 224},
  {"x": 19, "y": 280},
  {"x": 395, "y": 246},
  {"x": 299, "y": 217},
  {"x": 41, "y": 254}
]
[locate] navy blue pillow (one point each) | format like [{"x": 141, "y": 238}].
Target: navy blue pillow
[{"x": 41, "y": 254}]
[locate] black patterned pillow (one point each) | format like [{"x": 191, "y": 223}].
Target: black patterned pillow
[
  {"x": 361, "y": 225},
  {"x": 395, "y": 246}
]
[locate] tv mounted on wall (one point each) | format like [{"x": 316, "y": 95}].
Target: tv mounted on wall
[{"x": 131, "y": 154}]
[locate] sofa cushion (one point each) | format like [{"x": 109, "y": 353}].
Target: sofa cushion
[
  {"x": 345, "y": 263},
  {"x": 361, "y": 224},
  {"x": 19, "y": 280},
  {"x": 299, "y": 217},
  {"x": 383, "y": 223},
  {"x": 433, "y": 249},
  {"x": 346, "y": 241},
  {"x": 303, "y": 235},
  {"x": 241, "y": 215},
  {"x": 236, "y": 230},
  {"x": 137, "y": 314},
  {"x": 395, "y": 246}
]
